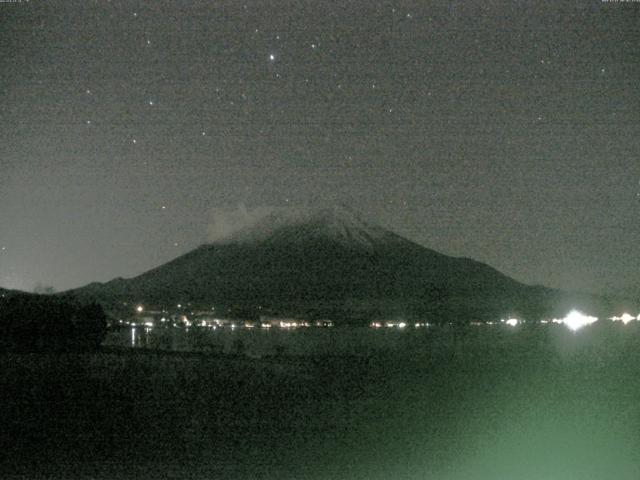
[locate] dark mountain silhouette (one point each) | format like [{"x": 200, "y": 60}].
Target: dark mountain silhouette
[
  {"x": 331, "y": 263},
  {"x": 32, "y": 322},
  {"x": 5, "y": 293}
]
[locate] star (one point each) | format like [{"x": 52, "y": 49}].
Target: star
[
  {"x": 134, "y": 141},
  {"x": 272, "y": 57},
  {"x": 151, "y": 102}
]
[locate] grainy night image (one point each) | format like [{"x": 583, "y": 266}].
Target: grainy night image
[{"x": 319, "y": 240}]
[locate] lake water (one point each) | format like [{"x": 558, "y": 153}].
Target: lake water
[
  {"x": 477, "y": 403},
  {"x": 260, "y": 342},
  {"x": 365, "y": 341}
]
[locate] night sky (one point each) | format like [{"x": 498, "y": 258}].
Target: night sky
[{"x": 508, "y": 132}]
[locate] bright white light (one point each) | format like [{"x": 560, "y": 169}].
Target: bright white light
[
  {"x": 512, "y": 322},
  {"x": 625, "y": 318},
  {"x": 148, "y": 324},
  {"x": 139, "y": 308},
  {"x": 576, "y": 320},
  {"x": 402, "y": 325},
  {"x": 272, "y": 57}
]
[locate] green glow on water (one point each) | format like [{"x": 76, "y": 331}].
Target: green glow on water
[{"x": 529, "y": 403}]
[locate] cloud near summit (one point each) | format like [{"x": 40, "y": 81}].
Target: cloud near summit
[{"x": 225, "y": 221}]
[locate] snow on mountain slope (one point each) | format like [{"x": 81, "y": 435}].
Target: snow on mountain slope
[{"x": 291, "y": 226}]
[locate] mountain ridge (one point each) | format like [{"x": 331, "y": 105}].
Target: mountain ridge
[{"x": 331, "y": 263}]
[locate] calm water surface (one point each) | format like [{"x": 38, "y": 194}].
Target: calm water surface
[{"x": 480, "y": 403}]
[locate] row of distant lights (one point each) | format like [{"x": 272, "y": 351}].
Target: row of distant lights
[
  {"x": 217, "y": 324},
  {"x": 576, "y": 320},
  {"x": 397, "y": 324}
]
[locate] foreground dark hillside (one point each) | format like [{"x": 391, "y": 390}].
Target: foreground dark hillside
[
  {"x": 528, "y": 403},
  {"x": 32, "y": 322}
]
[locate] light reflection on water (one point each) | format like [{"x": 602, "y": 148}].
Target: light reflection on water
[
  {"x": 259, "y": 342},
  {"x": 503, "y": 402},
  {"x": 140, "y": 337},
  {"x": 360, "y": 340}
]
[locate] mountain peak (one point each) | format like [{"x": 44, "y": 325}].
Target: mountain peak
[{"x": 338, "y": 224}]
